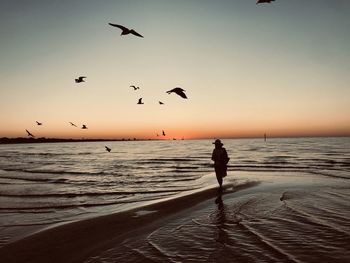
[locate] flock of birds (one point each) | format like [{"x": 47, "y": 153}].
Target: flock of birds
[
  {"x": 177, "y": 90},
  {"x": 126, "y": 31}
]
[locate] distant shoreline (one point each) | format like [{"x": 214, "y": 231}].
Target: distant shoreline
[{"x": 21, "y": 140}]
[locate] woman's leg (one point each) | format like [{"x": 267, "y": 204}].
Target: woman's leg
[{"x": 218, "y": 175}]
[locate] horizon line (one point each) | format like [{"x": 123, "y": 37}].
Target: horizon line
[{"x": 182, "y": 138}]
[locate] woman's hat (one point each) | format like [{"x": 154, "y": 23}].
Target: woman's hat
[{"x": 218, "y": 142}]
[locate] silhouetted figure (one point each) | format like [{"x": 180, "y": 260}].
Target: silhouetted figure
[
  {"x": 39, "y": 123},
  {"x": 178, "y": 91},
  {"x": 163, "y": 133},
  {"x": 125, "y": 30},
  {"x": 265, "y": 137},
  {"x": 135, "y": 88},
  {"x": 80, "y": 79},
  {"x": 161, "y": 103},
  {"x": 108, "y": 149},
  {"x": 264, "y": 1},
  {"x": 220, "y": 159},
  {"x": 71, "y": 123},
  {"x": 29, "y": 134},
  {"x": 140, "y": 101},
  {"x": 84, "y": 127}
]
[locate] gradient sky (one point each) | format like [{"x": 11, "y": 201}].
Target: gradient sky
[{"x": 280, "y": 68}]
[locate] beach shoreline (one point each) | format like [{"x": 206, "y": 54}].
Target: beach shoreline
[
  {"x": 55, "y": 242},
  {"x": 83, "y": 241}
]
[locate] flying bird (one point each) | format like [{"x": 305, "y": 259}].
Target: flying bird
[
  {"x": 161, "y": 103},
  {"x": 140, "y": 101},
  {"x": 108, "y": 149},
  {"x": 178, "y": 91},
  {"x": 84, "y": 126},
  {"x": 163, "y": 133},
  {"x": 264, "y": 1},
  {"x": 125, "y": 30},
  {"x": 71, "y": 123},
  {"x": 80, "y": 79},
  {"x": 39, "y": 123},
  {"x": 29, "y": 134},
  {"x": 135, "y": 88}
]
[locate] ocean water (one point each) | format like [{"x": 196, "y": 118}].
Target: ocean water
[{"x": 53, "y": 183}]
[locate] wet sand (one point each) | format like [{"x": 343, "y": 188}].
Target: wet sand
[{"x": 259, "y": 217}]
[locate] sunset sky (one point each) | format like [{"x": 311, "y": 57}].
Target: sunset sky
[{"x": 281, "y": 68}]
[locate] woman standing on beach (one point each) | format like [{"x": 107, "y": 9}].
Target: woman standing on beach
[{"x": 220, "y": 159}]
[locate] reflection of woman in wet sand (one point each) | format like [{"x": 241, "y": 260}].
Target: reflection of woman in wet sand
[
  {"x": 220, "y": 159},
  {"x": 220, "y": 220}
]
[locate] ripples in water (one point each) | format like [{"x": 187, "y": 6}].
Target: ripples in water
[{"x": 300, "y": 225}]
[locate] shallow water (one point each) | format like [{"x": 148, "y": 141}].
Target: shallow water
[
  {"x": 288, "y": 222},
  {"x": 43, "y": 184}
]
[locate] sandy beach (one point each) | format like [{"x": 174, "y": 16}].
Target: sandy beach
[{"x": 259, "y": 217}]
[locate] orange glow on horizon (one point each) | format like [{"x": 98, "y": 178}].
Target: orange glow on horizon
[{"x": 183, "y": 133}]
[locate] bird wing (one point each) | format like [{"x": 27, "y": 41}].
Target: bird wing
[
  {"x": 175, "y": 90},
  {"x": 178, "y": 89},
  {"x": 181, "y": 94},
  {"x": 29, "y": 134},
  {"x": 119, "y": 26},
  {"x": 264, "y": 1},
  {"x": 132, "y": 86},
  {"x": 132, "y": 31},
  {"x": 170, "y": 91}
]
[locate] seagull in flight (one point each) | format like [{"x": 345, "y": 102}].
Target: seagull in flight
[
  {"x": 140, "y": 101},
  {"x": 80, "y": 79},
  {"x": 39, "y": 123},
  {"x": 161, "y": 103},
  {"x": 84, "y": 126},
  {"x": 163, "y": 132},
  {"x": 108, "y": 149},
  {"x": 71, "y": 123},
  {"x": 29, "y": 134},
  {"x": 125, "y": 30},
  {"x": 135, "y": 88},
  {"x": 264, "y": 1},
  {"x": 178, "y": 91}
]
